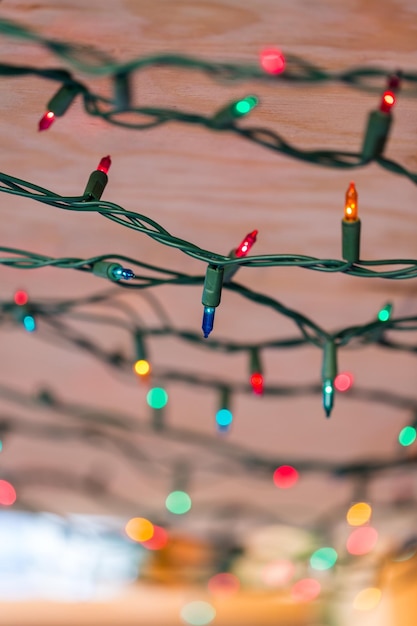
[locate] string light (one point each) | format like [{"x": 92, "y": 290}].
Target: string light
[
  {"x": 224, "y": 416},
  {"x": 359, "y": 514},
  {"x": 198, "y": 613},
  {"x": 362, "y": 540},
  {"x": 272, "y": 60},
  {"x": 306, "y": 590},
  {"x": 285, "y": 477},
  {"x": 351, "y": 226},
  {"x": 407, "y": 436},
  {"x": 223, "y": 584},
  {"x": 159, "y": 539},
  {"x": 21, "y": 298},
  {"x": 157, "y": 398},
  {"x": 212, "y": 291},
  {"x": 343, "y": 381},
  {"x": 98, "y": 180},
  {"x": 139, "y": 529},
  {"x": 226, "y": 116},
  {"x": 141, "y": 366},
  {"x": 59, "y": 104},
  {"x": 113, "y": 271},
  {"x": 178, "y": 502},
  {"x": 323, "y": 559},
  {"x": 377, "y": 129},
  {"x": 7, "y": 493},
  {"x": 384, "y": 315},
  {"x": 367, "y": 599},
  {"x": 328, "y": 374},
  {"x": 256, "y": 378},
  {"x": 241, "y": 251}
]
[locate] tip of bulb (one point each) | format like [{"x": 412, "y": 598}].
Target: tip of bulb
[
  {"x": 46, "y": 121},
  {"x": 104, "y": 164}
]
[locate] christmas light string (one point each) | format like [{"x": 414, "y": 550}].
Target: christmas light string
[{"x": 293, "y": 70}]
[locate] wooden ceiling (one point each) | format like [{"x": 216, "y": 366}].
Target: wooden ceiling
[{"x": 211, "y": 189}]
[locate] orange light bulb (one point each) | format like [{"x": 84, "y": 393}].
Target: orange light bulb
[{"x": 351, "y": 204}]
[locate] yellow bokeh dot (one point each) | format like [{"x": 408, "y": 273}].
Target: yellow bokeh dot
[
  {"x": 359, "y": 514},
  {"x": 139, "y": 529},
  {"x": 367, "y": 599},
  {"x": 142, "y": 367}
]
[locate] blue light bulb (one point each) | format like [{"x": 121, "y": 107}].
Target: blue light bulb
[
  {"x": 29, "y": 323},
  {"x": 208, "y": 320},
  {"x": 122, "y": 272},
  {"x": 328, "y": 397}
]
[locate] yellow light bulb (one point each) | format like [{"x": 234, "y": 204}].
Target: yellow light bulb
[
  {"x": 359, "y": 514},
  {"x": 367, "y": 599},
  {"x": 139, "y": 529},
  {"x": 142, "y": 367},
  {"x": 351, "y": 205}
]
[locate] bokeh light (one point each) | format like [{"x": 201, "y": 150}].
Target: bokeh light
[
  {"x": 278, "y": 573},
  {"x": 198, "y": 613},
  {"x": 362, "y": 540},
  {"x": 157, "y": 398},
  {"x": 223, "y": 584},
  {"x": 21, "y": 298},
  {"x": 367, "y": 599},
  {"x": 359, "y": 514},
  {"x": 29, "y": 323},
  {"x": 343, "y": 381},
  {"x": 7, "y": 493},
  {"x": 139, "y": 529},
  {"x": 306, "y": 590},
  {"x": 407, "y": 436},
  {"x": 178, "y": 502},
  {"x": 158, "y": 540},
  {"x": 272, "y": 60},
  {"x": 224, "y": 417},
  {"x": 323, "y": 559},
  {"x": 285, "y": 477},
  {"x": 142, "y": 367}
]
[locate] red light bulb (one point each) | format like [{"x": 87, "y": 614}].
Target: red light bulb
[
  {"x": 21, "y": 298},
  {"x": 272, "y": 60},
  {"x": 387, "y": 102},
  {"x": 104, "y": 164},
  {"x": 257, "y": 382},
  {"x": 245, "y": 246},
  {"x": 285, "y": 477},
  {"x": 46, "y": 121},
  {"x": 343, "y": 381}
]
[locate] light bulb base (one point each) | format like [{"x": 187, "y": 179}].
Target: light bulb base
[
  {"x": 376, "y": 135},
  {"x": 96, "y": 185},
  {"x": 351, "y": 239}
]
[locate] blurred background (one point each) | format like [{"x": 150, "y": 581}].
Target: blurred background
[{"x": 123, "y": 500}]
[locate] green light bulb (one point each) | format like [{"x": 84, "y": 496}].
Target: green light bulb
[
  {"x": 242, "y": 107},
  {"x": 385, "y": 313},
  {"x": 323, "y": 559},
  {"x": 157, "y": 398},
  {"x": 407, "y": 436},
  {"x": 178, "y": 502}
]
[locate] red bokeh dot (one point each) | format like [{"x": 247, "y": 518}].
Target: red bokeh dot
[
  {"x": 7, "y": 493},
  {"x": 343, "y": 381},
  {"x": 306, "y": 590},
  {"x": 362, "y": 540},
  {"x": 223, "y": 584},
  {"x": 158, "y": 540},
  {"x": 285, "y": 477},
  {"x": 21, "y": 297},
  {"x": 272, "y": 60}
]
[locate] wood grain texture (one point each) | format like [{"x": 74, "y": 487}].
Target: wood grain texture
[{"x": 211, "y": 189}]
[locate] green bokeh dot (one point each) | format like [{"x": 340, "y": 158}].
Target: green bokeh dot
[
  {"x": 323, "y": 559},
  {"x": 157, "y": 398},
  {"x": 178, "y": 502},
  {"x": 407, "y": 436}
]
